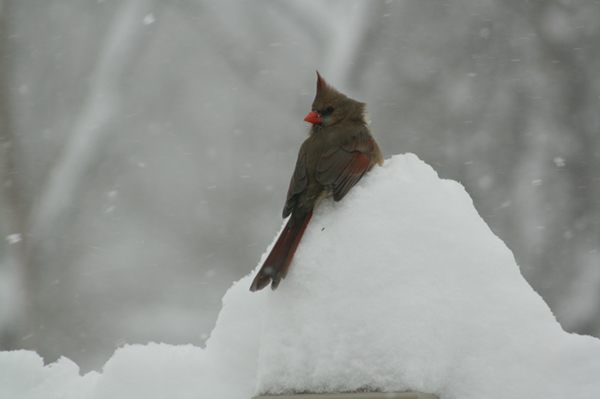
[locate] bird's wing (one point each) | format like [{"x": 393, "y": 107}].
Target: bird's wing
[
  {"x": 297, "y": 184},
  {"x": 342, "y": 167}
]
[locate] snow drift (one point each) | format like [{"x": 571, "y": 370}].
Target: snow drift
[{"x": 400, "y": 286}]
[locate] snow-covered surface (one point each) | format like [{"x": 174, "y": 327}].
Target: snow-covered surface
[{"x": 400, "y": 286}]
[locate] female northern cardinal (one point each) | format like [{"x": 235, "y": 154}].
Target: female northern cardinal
[{"x": 331, "y": 161}]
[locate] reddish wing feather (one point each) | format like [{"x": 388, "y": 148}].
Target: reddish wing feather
[
  {"x": 351, "y": 174},
  {"x": 344, "y": 166}
]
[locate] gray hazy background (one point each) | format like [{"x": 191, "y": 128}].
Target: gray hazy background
[{"x": 146, "y": 147}]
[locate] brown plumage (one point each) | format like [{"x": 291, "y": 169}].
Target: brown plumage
[{"x": 338, "y": 152}]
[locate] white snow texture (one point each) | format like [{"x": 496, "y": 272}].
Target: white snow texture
[{"x": 400, "y": 286}]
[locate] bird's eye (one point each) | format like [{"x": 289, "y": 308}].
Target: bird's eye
[{"x": 329, "y": 110}]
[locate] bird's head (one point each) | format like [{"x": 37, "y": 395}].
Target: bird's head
[{"x": 330, "y": 106}]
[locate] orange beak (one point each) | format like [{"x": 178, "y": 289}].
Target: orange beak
[{"x": 313, "y": 117}]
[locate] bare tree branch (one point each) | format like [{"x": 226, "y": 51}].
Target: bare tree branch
[{"x": 97, "y": 112}]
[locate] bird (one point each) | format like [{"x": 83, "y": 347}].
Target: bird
[{"x": 338, "y": 152}]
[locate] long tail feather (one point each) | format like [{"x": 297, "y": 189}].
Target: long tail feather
[{"x": 278, "y": 262}]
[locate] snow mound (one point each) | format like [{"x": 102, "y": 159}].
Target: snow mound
[
  {"x": 23, "y": 375},
  {"x": 400, "y": 286}
]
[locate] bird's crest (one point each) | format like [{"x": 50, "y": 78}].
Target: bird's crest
[
  {"x": 328, "y": 96},
  {"x": 321, "y": 84}
]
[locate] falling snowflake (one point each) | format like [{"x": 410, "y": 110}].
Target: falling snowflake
[
  {"x": 559, "y": 162},
  {"x": 148, "y": 19},
  {"x": 14, "y": 238}
]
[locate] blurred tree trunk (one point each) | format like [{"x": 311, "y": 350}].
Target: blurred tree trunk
[
  {"x": 124, "y": 39},
  {"x": 30, "y": 231},
  {"x": 94, "y": 124},
  {"x": 20, "y": 305},
  {"x": 572, "y": 55}
]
